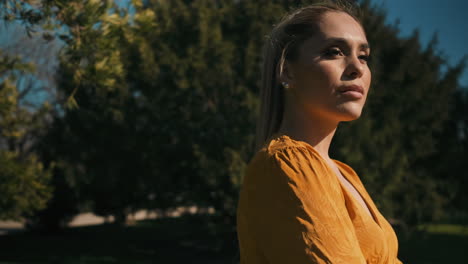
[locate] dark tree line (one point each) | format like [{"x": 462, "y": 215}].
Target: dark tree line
[{"x": 155, "y": 108}]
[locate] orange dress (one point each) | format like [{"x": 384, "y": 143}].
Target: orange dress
[{"x": 293, "y": 209}]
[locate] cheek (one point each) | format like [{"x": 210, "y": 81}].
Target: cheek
[
  {"x": 330, "y": 72},
  {"x": 368, "y": 78},
  {"x": 319, "y": 77}
]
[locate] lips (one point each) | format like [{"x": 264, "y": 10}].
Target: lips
[
  {"x": 351, "y": 91},
  {"x": 351, "y": 88}
]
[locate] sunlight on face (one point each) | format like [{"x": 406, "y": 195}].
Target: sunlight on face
[{"x": 330, "y": 79}]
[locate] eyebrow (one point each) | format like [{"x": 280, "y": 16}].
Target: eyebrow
[{"x": 362, "y": 46}]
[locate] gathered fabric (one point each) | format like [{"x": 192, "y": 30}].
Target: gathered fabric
[{"x": 293, "y": 209}]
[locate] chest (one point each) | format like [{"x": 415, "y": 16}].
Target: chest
[
  {"x": 376, "y": 237},
  {"x": 355, "y": 194},
  {"x": 351, "y": 190}
]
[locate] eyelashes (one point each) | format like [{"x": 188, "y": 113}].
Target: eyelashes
[
  {"x": 332, "y": 52},
  {"x": 335, "y": 52},
  {"x": 365, "y": 57}
]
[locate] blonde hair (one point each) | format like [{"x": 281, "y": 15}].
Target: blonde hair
[{"x": 283, "y": 45}]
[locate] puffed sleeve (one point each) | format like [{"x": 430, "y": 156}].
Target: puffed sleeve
[{"x": 292, "y": 209}]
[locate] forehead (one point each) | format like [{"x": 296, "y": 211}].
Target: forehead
[{"x": 341, "y": 25}]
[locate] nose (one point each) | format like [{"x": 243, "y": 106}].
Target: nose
[{"x": 354, "y": 67}]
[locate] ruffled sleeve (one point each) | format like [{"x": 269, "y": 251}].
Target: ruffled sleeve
[{"x": 292, "y": 209}]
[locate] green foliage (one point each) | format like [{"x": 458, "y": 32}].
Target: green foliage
[
  {"x": 151, "y": 115},
  {"x": 24, "y": 182},
  {"x": 100, "y": 124},
  {"x": 449, "y": 163},
  {"x": 160, "y": 106},
  {"x": 23, "y": 185},
  {"x": 395, "y": 142}
]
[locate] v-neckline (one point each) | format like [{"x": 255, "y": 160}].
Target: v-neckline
[{"x": 372, "y": 215}]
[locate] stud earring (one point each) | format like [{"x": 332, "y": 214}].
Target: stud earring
[{"x": 285, "y": 85}]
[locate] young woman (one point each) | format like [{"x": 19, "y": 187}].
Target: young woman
[{"x": 297, "y": 205}]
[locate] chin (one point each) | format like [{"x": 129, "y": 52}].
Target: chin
[
  {"x": 350, "y": 114},
  {"x": 350, "y": 118}
]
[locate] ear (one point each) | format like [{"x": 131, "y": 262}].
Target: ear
[{"x": 285, "y": 72}]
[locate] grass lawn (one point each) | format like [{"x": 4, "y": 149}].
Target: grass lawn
[
  {"x": 438, "y": 245},
  {"x": 188, "y": 239},
  {"x": 191, "y": 239}
]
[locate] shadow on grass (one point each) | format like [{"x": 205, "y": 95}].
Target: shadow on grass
[
  {"x": 434, "y": 246},
  {"x": 188, "y": 239}
]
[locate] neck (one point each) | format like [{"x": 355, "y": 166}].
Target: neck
[{"x": 315, "y": 130}]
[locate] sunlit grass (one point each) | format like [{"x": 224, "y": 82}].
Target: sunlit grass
[
  {"x": 435, "y": 244},
  {"x": 448, "y": 229}
]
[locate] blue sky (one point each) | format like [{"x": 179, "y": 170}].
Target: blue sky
[{"x": 449, "y": 18}]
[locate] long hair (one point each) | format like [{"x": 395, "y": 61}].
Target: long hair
[{"x": 283, "y": 45}]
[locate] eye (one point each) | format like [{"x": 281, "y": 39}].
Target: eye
[
  {"x": 365, "y": 57},
  {"x": 333, "y": 52}
]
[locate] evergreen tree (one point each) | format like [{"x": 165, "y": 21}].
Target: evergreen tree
[
  {"x": 28, "y": 175},
  {"x": 448, "y": 165},
  {"x": 101, "y": 120},
  {"x": 24, "y": 182},
  {"x": 161, "y": 106},
  {"x": 394, "y": 142}
]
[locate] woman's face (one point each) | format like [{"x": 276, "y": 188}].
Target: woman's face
[{"x": 329, "y": 64}]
